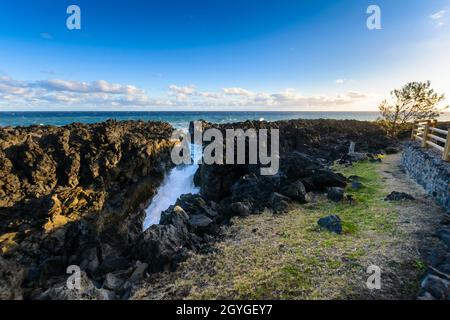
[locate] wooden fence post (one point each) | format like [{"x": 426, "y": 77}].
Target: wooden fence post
[
  {"x": 413, "y": 134},
  {"x": 426, "y": 131},
  {"x": 445, "y": 156}
]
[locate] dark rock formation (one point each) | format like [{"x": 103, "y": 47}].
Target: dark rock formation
[
  {"x": 398, "y": 196},
  {"x": 356, "y": 185},
  {"x": 72, "y": 195},
  {"x": 331, "y": 223},
  {"x": 11, "y": 278},
  {"x": 299, "y": 173},
  {"x": 392, "y": 150},
  {"x": 240, "y": 209},
  {"x": 295, "y": 190},
  {"x": 188, "y": 225},
  {"x": 322, "y": 138},
  {"x": 444, "y": 236},
  {"x": 435, "y": 288},
  {"x": 307, "y": 149},
  {"x": 335, "y": 194},
  {"x": 436, "y": 283},
  {"x": 75, "y": 195}
]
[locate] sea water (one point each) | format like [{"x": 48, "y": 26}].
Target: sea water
[
  {"x": 176, "y": 119},
  {"x": 179, "y": 181}
]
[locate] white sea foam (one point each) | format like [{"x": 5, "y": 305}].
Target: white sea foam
[{"x": 179, "y": 181}]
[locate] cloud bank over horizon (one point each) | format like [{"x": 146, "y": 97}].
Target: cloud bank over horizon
[{"x": 61, "y": 93}]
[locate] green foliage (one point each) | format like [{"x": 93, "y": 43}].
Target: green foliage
[
  {"x": 414, "y": 101},
  {"x": 420, "y": 265}
]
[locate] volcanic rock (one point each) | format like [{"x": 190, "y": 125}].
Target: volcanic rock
[
  {"x": 398, "y": 196},
  {"x": 335, "y": 194},
  {"x": 331, "y": 223}
]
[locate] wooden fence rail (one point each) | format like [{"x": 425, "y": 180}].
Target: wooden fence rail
[{"x": 429, "y": 135}]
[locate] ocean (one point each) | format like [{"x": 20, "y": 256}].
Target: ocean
[{"x": 176, "y": 119}]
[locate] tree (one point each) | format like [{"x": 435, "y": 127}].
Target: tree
[{"x": 415, "y": 101}]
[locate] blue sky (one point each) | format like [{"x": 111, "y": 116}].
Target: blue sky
[{"x": 218, "y": 55}]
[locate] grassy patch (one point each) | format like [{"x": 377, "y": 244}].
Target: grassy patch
[
  {"x": 289, "y": 257},
  {"x": 371, "y": 212},
  {"x": 420, "y": 265}
]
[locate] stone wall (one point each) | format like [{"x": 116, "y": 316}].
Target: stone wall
[{"x": 430, "y": 171}]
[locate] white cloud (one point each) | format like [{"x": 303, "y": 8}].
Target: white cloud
[
  {"x": 344, "y": 81},
  {"x": 68, "y": 92},
  {"x": 356, "y": 95},
  {"x": 60, "y": 93},
  {"x": 291, "y": 97},
  {"x": 7, "y": 89},
  {"x": 241, "y": 97},
  {"x": 438, "y": 18},
  {"x": 10, "y": 86},
  {"x": 237, "y": 92},
  {"x": 438, "y": 15},
  {"x": 181, "y": 93},
  {"x": 188, "y": 90},
  {"x": 84, "y": 87}
]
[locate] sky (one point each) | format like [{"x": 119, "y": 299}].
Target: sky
[{"x": 218, "y": 54}]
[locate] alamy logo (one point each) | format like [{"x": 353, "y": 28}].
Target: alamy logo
[
  {"x": 374, "y": 281},
  {"x": 74, "y": 280},
  {"x": 236, "y": 141},
  {"x": 73, "y": 22},
  {"x": 374, "y": 20}
]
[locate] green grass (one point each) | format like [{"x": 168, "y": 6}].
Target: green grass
[
  {"x": 289, "y": 256},
  {"x": 371, "y": 212}
]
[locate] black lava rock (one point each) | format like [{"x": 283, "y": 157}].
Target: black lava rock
[
  {"x": 296, "y": 191},
  {"x": 335, "y": 194},
  {"x": 331, "y": 223},
  {"x": 398, "y": 196},
  {"x": 356, "y": 185}
]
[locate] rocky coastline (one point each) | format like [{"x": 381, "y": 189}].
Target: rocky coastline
[{"x": 75, "y": 195}]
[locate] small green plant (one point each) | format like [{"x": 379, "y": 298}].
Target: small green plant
[
  {"x": 420, "y": 265},
  {"x": 349, "y": 227}
]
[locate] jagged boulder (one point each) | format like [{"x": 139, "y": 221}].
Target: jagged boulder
[
  {"x": 163, "y": 246},
  {"x": 66, "y": 192},
  {"x": 398, "y": 196},
  {"x": 434, "y": 287},
  {"x": 240, "y": 209},
  {"x": 11, "y": 278},
  {"x": 331, "y": 223},
  {"x": 295, "y": 191},
  {"x": 335, "y": 194}
]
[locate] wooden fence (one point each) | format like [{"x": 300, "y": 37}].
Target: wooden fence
[{"x": 429, "y": 135}]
